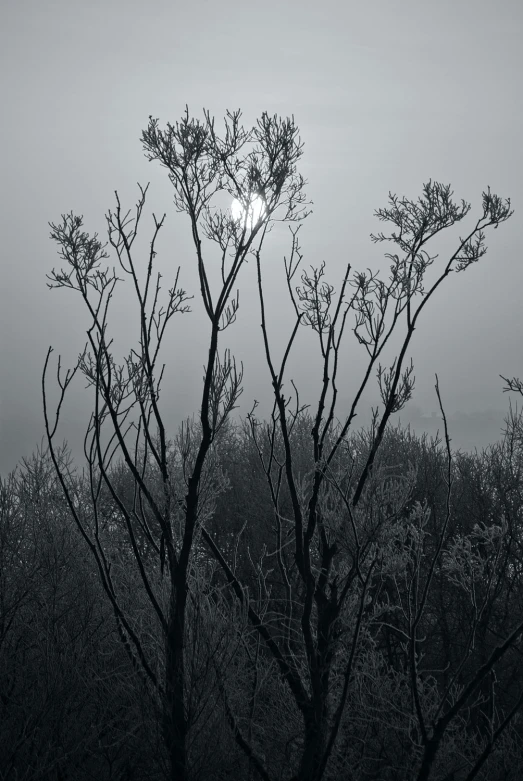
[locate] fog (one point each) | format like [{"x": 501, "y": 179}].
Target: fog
[{"x": 387, "y": 95}]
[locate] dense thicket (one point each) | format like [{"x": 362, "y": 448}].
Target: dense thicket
[{"x": 73, "y": 705}]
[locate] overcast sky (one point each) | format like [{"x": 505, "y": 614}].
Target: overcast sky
[{"x": 387, "y": 94}]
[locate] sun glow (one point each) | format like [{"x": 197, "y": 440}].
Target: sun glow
[{"x": 256, "y": 211}]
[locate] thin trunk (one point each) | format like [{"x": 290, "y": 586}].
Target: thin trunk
[
  {"x": 315, "y": 744},
  {"x": 316, "y": 726},
  {"x": 175, "y": 720},
  {"x": 429, "y": 755}
]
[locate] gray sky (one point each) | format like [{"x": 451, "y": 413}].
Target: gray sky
[{"x": 387, "y": 94}]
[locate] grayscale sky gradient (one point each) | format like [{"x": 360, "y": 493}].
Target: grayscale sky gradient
[{"x": 387, "y": 93}]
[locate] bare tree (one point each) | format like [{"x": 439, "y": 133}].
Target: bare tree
[
  {"x": 257, "y": 165},
  {"x": 335, "y": 548},
  {"x": 329, "y": 547}
]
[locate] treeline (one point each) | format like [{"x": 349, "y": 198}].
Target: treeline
[{"x": 434, "y": 557}]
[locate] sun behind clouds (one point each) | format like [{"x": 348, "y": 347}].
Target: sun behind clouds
[{"x": 256, "y": 211}]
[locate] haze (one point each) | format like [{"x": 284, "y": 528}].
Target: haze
[{"x": 387, "y": 95}]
